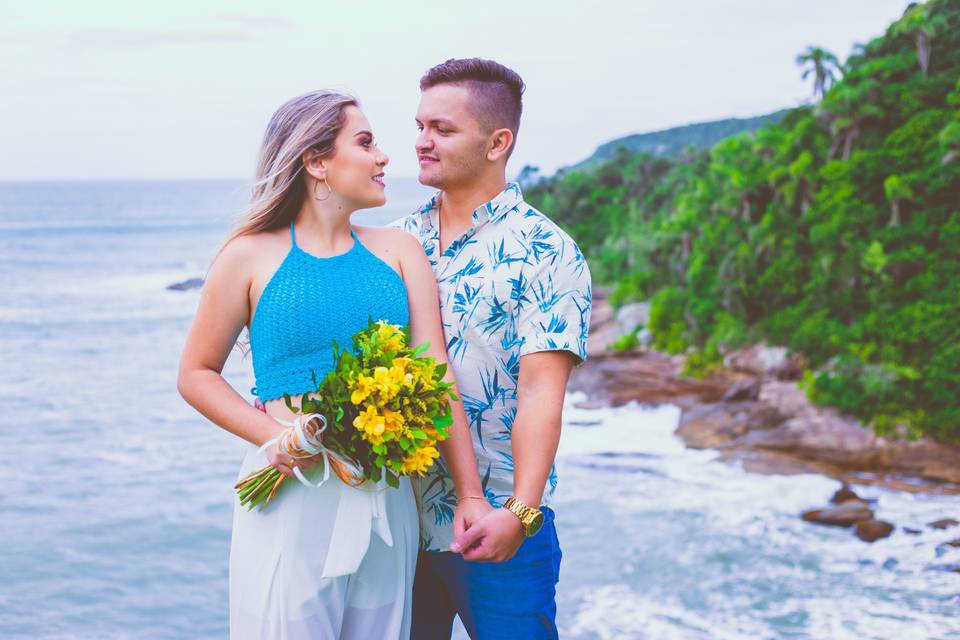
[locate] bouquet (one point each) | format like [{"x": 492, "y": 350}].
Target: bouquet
[{"x": 377, "y": 415}]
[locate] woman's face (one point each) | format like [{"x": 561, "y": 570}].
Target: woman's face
[{"x": 355, "y": 172}]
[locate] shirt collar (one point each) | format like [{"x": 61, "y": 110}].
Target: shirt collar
[{"x": 503, "y": 203}]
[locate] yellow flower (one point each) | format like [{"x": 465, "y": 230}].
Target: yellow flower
[
  {"x": 386, "y": 386},
  {"x": 419, "y": 461},
  {"x": 399, "y": 373},
  {"x": 393, "y": 422},
  {"x": 391, "y": 338},
  {"x": 362, "y": 387},
  {"x": 371, "y": 424}
]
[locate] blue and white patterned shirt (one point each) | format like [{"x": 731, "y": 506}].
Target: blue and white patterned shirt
[{"x": 514, "y": 283}]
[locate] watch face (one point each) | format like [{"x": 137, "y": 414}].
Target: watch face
[{"x": 535, "y": 524}]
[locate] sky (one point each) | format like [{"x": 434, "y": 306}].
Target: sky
[{"x": 183, "y": 90}]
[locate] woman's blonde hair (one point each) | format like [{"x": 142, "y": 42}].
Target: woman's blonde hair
[{"x": 310, "y": 121}]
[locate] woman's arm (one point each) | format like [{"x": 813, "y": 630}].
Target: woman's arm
[
  {"x": 426, "y": 326},
  {"x": 223, "y": 312}
]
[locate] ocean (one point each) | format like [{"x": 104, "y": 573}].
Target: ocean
[{"x": 116, "y": 496}]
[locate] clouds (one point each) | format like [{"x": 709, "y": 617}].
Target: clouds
[
  {"x": 136, "y": 38},
  {"x": 183, "y": 89},
  {"x": 220, "y": 29}
]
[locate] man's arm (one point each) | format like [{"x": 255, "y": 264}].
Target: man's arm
[
  {"x": 536, "y": 436},
  {"x": 536, "y": 430}
]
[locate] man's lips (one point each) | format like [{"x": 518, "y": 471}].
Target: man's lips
[{"x": 426, "y": 160}]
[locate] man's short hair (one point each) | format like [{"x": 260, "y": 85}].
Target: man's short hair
[{"x": 496, "y": 92}]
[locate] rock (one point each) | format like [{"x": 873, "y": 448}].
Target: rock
[
  {"x": 192, "y": 283},
  {"x": 645, "y": 337},
  {"x": 913, "y": 532},
  {"x": 631, "y": 316},
  {"x": 945, "y": 523},
  {"x": 603, "y": 327},
  {"x": 792, "y": 369},
  {"x": 748, "y": 389},
  {"x": 757, "y": 359},
  {"x": 844, "y": 514},
  {"x": 788, "y": 424},
  {"x": 944, "y": 548},
  {"x": 648, "y": 377},
  {"x": 872, "y": 530},
  {"x": 843, "y": 494},
  {"x": 717, "y": 425}
]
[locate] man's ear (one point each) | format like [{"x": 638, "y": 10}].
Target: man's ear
[
  {"x": 314, "y": 164},
  {"x": 500, "y": 142}
]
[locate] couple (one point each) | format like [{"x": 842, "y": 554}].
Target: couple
[{"x": 514, "y": 294}]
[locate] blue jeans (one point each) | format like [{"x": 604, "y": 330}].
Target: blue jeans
[{"x": 509, "y": 600}]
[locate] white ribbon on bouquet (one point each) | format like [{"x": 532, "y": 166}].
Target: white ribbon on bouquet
[{"x": 360, "y": 509}]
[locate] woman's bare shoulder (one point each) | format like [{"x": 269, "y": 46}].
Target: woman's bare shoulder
[{"x": 248, "y": 251}]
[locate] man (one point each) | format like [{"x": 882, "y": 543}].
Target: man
[{"x": 515, "y": 296}]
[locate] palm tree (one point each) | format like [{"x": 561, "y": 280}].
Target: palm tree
[
  {"x": 897, "y": 191},
  {"x": 849, "y": 107},
  {"x": 950, "y": 141},
  {"x": 823, "y": 65},
  {"x": 918, "y": 23}
]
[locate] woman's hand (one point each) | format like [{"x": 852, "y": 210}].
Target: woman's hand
[
  {"x": 467, "y": 513},
  {"x": 284, "y": 462}
]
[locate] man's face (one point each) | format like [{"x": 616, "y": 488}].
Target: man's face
[{"x": 452, "y": 144}]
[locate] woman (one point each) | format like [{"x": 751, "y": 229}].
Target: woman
[{"x": 334, "y": 561}]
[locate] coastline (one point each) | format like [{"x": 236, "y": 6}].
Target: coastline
[{"x": 752, "y": 412}]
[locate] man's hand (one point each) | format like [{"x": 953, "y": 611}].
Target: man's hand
[
  {"x": 494, "y": 538},
  {"x": 468, "y": 513}
]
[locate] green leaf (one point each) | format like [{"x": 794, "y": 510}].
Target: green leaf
[
  {"x": 420, "y": 349},
  {"x": 393, "y": 480}
]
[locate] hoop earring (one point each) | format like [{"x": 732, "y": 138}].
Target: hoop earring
[{"x": 329, "y": 191}]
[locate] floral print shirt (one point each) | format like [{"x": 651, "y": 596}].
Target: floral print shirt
[{"x": 513, "y": 284}]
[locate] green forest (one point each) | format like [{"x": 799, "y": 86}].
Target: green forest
[{"x": 834, "y": 231}]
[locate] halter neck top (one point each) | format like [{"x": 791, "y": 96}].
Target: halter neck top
[{"x": 311, "y": 302}]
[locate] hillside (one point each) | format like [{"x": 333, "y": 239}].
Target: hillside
[
  {"x": 835, "y": 231},
  {"x": 672, "y": 142}
]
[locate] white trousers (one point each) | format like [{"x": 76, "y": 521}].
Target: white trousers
[{"x": 277, "y": 557}]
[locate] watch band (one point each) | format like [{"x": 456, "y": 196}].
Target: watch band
[{"x": 522, "y": 511}]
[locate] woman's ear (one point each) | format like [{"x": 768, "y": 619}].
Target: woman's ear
[
  {"x": 314, "y": 164},
  {"x": 500, "y": 142}
]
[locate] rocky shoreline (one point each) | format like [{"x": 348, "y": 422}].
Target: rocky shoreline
[{"x": 752, "y": 411}]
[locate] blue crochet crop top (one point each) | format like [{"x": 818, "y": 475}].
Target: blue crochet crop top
[{"x": 311, "y": 302}]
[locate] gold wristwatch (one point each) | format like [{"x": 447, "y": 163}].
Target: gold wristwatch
[{"x": 532, "y": 519}]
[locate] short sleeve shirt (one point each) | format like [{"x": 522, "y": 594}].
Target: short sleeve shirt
[{"x": 513, "y": 284}]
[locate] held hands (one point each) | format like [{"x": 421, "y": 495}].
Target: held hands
[
  {"x": 469, "y": 511},
  {"x": 493, "y": 538}
]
